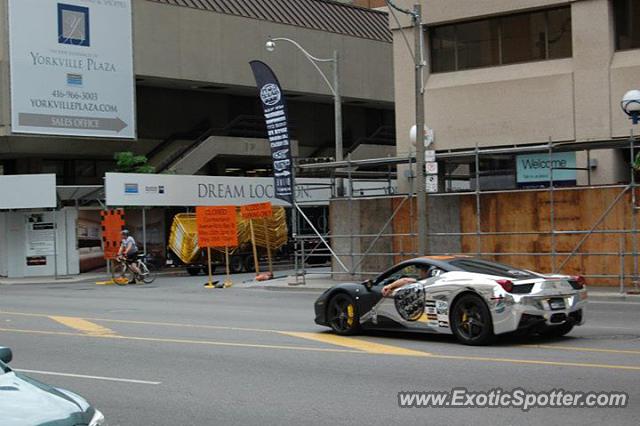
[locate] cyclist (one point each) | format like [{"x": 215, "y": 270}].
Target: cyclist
[{"x": 129, "y": 251}]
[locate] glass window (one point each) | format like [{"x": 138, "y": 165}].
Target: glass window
[
  {"x": 508, "y": 39},
  {"x": 480, "y": 266},
  {"x": 443, "y": 48},
  {"x": 85, "y": 168},
  {"x": 477, "y": 44},
  {"x": 56, "y": 167},
  {"x": 559, "y": 33},
  {"x": 627, "y": 21},
  {"x": 523, "y": 38}
]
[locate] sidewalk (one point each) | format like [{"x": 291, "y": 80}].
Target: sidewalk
[
  {"x": 85, "y": 277},
  {"x": 285, "y": 280},
  {"x": 321, "y": 282}
]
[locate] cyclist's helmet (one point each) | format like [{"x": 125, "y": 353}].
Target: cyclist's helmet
[{"x": 125, "y": 232}]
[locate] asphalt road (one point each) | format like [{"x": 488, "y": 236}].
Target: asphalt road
[{"x": 175, "y": 353}]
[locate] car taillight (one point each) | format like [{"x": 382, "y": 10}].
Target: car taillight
[
  {"x": 579, "y": 282},
  {"x": 506, "y": 285}
]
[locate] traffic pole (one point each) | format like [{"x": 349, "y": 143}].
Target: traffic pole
[{"x": 256, "y": 264}]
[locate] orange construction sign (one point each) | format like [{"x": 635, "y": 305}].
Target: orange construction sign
[
  {"x": 217, "y": 226},
  {"x": 112, "y": 225},
  {"x": 256, "y": 211}
]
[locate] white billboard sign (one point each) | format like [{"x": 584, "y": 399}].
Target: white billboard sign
[
  {"x": 72, "y": 68},
  {"x": 133, "y": 189},
  {"x": 27, "y": 191}
]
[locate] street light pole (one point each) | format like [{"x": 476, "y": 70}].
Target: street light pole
[
  {"x": 333, "y": 88},
  {"x": 420, "y": 148},
  {"x": 337, "y": 102}
]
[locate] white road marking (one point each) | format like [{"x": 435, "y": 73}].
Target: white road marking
[{"x": 82, "y": 376}]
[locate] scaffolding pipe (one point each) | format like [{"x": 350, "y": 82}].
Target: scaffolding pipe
[
  {"x": 598, "y": 222},
  {"x": 552, "y": 217}
]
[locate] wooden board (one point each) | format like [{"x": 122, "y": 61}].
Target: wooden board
[{"x": 530, "y": 214}]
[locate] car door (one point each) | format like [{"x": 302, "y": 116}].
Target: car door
[{"x": 376, "y": 311}]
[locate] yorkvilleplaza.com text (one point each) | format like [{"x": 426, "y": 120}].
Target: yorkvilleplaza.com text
[{"x": 515, "y": 398}]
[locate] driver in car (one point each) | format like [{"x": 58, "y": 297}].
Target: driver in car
[{"x": 424, "y": 272}]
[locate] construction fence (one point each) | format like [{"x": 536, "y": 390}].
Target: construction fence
[{"x": 587, "y": 230}]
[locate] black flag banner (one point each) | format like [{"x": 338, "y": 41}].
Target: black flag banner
[{"x": 275, "y": 114}]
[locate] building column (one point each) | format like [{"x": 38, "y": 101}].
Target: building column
[{"x": 593, "y": 49}]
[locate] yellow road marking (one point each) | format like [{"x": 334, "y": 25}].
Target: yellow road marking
[
  {"x": 470, "y": 358},
  {"x": 84, "y": 326},
  {"x": 311, "y": 349},
  {"x": 110, "y": 282},
  {"x": 537, "y": 362},
  {"x": 584, "y": 349},
  {"x": 184, "y": 341},
  {"x": 164, "y": 324},
  {"x": 361, "y": 345}
]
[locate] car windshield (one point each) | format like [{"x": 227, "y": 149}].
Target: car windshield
[{"x": 492, "y": 268}]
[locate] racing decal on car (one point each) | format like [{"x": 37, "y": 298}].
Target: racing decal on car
[
  {"x": 443, "y": 324},
  {"x": 442, "y": 307},
  {"x": 410, "y": 302}
]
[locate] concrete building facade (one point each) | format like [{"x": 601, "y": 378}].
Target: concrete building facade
[
  {"x": 522, "y": 73},
  {"x": 192, "y": 76},
  {"x": 198, "y": 110}
]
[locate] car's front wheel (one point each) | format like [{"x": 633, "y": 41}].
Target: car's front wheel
[
  {"x": 341, "y": 314},
  {"x": 471, "y": 321}
]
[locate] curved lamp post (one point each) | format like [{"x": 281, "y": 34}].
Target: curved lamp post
[{"x": 333, "y": 87}]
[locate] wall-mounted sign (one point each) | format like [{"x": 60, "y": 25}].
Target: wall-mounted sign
[
  {"x": 134, "y": 189},
  {"x": 28, "y": 191},
  {"x": 40, "y": 237},
  {"x": 536, "y": 169},
  {"x": 131, "y": 189},
  {"x": 72, "y": 68}
]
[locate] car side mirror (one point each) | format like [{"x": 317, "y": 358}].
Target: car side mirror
[
  {"x": 368, "y": 284},
  {"x": 6, "y": 355}
]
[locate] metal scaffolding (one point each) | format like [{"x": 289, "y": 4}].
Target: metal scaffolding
[{"x": 349, "y": 262}]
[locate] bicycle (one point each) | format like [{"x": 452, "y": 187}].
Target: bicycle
[{"x": 122, "y": 273}]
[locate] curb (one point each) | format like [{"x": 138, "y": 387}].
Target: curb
[{"x": 615, "y": 297}]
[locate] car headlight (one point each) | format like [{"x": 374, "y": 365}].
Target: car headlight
[{"x": 97, "y": 420}]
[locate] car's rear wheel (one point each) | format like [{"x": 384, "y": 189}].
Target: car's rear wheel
[
  {"x": 341, "y": 314},
  {"x": 557, "y": 330},
  {"x": 471, "y": 321}
]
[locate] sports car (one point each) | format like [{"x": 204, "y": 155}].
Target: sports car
[{"x": 471, "y": 298}]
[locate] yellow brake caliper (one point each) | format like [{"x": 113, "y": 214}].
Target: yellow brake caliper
[{"x": 350, "y": 314}]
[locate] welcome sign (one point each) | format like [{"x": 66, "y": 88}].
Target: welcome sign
[
  {"x": 537, "y": 169},
  {"x": 72, "y": 68}
]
